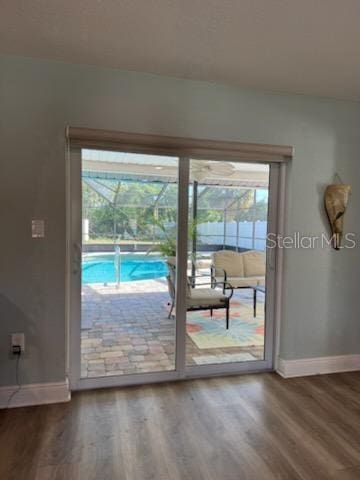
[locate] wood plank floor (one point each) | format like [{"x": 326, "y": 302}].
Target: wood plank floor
[{"x": 255, "y": 427}]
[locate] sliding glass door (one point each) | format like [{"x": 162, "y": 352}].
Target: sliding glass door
[
  {"x": 228, "y": 224},
  {"x": 128, "y": 288},
  {"x": 170, "y": 272}
]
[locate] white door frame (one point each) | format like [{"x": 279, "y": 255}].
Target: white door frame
[
  {"x": 73, "y": 285},
  {"x": 273, "y": 266}
]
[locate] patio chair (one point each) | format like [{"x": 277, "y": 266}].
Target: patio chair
[
  {"x": 239, "y": 270},
  {"x": 200, "y": 298}
]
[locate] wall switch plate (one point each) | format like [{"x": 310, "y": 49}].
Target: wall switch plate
[
  {"x": 18, "y": 339},
  {"x": 38, "y": 228}
]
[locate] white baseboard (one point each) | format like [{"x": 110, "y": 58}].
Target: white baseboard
[
  {"x": 317, "y": 366},
  {"x": 35, "y": 394}
]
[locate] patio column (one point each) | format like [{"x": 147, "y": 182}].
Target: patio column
[
  {"x": 194, "y": 228},
  {"x": 254, "y": 220},
  {"x": 237, "y": 225}
]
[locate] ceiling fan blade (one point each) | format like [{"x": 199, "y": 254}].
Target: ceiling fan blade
[
  {"x": 201, "y": 169},
  {"x": 222, "y": 169}
]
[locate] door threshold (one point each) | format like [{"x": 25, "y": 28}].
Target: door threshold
[{"x": 155, "y": 378}]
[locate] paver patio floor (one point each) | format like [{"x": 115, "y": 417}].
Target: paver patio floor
[{"x": 125, "y": 330}]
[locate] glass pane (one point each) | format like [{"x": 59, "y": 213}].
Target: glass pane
[
  {"x": 129, "y": 211},
  {"x": 227, "y": 220}
]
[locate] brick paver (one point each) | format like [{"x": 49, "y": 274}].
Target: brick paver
[{"x": 127, "y": 331}]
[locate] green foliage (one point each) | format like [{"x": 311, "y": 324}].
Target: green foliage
[
  {"x": 131, "y": 212},
  {"x": 145, "y": 212},
  {"x": 167, "y": 245}
]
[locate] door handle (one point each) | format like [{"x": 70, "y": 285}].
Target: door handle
[
  {"x": 271, "y": 253},
  {"x": 77, "y": 258}
]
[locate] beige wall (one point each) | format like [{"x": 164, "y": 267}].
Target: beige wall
[{"x": 38, "y": 99}]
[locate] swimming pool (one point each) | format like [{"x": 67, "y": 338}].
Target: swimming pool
[{"x": 100, "y": 267}]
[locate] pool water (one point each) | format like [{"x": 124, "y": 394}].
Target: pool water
[{"x": 100, "y": 268}]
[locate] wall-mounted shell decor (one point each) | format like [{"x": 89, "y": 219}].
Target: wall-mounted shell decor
[{"x": 336, "y": 198}]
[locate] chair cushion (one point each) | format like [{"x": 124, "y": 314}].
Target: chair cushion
[
  {"x": 254, "y": 264},
  {"x": 171, "y": 262},
  {"x": 205, "y": 297},
  {"x": 231, "y": 262},
  {"x": 171, "y": 269},
  {"x": 238, "y": 282}
]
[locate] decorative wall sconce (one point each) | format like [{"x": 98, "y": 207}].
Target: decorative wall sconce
[{"x": 336, "y": 198}]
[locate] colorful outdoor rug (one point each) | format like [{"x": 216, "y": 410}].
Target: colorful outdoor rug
[{"x": 244, "y": 331}]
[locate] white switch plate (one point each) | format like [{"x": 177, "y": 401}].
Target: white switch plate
[
  {"x": 38, "y": 228},
  {"x": 18, "y": 339}
]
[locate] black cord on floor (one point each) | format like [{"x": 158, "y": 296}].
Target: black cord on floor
[{"x": 17, "y": 376}]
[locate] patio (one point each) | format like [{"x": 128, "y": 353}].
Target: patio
[
  {"x": 127, "y": 330},
  {"x": 130, "y": 209}
]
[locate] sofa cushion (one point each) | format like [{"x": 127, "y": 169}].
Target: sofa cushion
[
  {"x": 254, "y": 264},
  {"x": 231, "y": 262}
]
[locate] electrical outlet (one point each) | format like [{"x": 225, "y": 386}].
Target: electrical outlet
[{"x": 18, "y": 340}]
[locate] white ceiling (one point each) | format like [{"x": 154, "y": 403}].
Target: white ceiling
[
  {"x": 297, "y": 46},
  {"x": 160, "y": 167}
]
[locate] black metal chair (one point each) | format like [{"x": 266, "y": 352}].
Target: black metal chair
[{"x": 200, "y": 298}]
